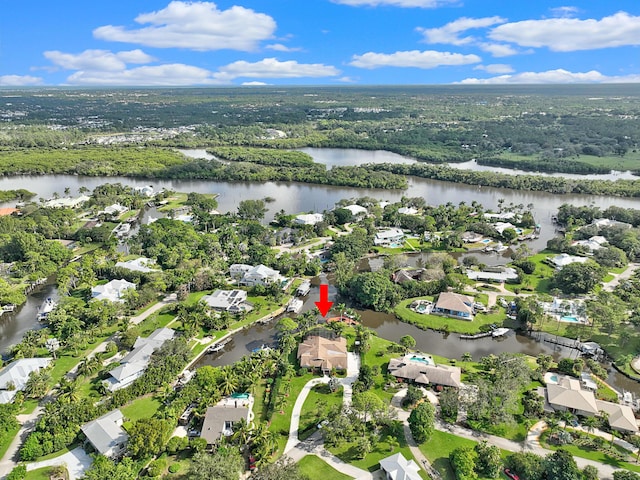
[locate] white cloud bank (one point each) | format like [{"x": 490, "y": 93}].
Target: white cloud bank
[
  {"x": 449, "y": 33},
  {"x": 19, "y": 80},
  {"x": 178, "y": 74},
  {"x": 99, "y": 60},
  {"x": 414, "y": 58},
  {"x": 197, "y": 26},
  {"x": 396, "y": 3},
  {"x": 552, "y": 77},
  {"x": 495, "y": 68},
  {"x": 571, "y": 34}
]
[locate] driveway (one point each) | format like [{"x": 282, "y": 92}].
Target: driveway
[{"x": 76, "y": 461}]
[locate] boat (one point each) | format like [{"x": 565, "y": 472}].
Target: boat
[
  {"x": 216, "y": 347},
  {"x": 499, "y": 332},
  {"x": 261, "y": 348},
  {"x": 304, "y": 288},
  {"x": 45, "y": 309},
  {"x": 294, "y": 305}
]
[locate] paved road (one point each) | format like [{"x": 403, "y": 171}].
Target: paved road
[
  {"x": 76, "y": 461},
  {"x": 617, "y": 278}
]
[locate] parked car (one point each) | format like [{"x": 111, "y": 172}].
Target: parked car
[{"x": 511, "y": 475}]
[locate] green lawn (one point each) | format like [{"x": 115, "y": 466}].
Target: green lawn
[
  {"x": 628, "y": 162},
  {"x": 347, "y": 451},
  {"x": 143, "y": 407},
  {"x": 310, "y": 416},
  {"x": 540, "y": 280},
  {"x": 591, "y": 454},
  {"x": 280, "y": 422},
  {"x": 438, "y": 448},
  {"x": 437, "y": 322},
  {"x": 39, "y": 474},
  {"x": 317, "y": 469}
]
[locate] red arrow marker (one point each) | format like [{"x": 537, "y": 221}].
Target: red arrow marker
[{"x": 324, "y": 305}]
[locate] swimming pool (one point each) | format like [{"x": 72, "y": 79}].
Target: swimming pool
[
  {"x": 240, "y": 396},
  {"x": 485, "y": 241},
  {"x": 571, "y": 319},
  {"x": 422, "y": 308},
  {"x": 554, "y": 378},
  {"x": 421, "y": 359}
]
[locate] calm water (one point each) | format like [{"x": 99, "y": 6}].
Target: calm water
[{"x": 296, "y": 197}]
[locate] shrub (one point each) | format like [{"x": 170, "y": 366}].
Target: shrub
[{"x": 174, "y": 467}]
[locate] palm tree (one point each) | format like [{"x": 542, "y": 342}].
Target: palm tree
[
  {"x": 393, "y": 442},
  {"x": 229, "y": 381},
  {"x": 590, "y": 424},
  {"x": 466, "y": 357},
  {"x": 242, "y": 432},
  {"x": 70, "y": 391}
]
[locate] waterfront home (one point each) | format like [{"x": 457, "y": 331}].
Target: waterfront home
[
  {"x": 455, "y": 305},
  {"x": 504, "y": 216},
  {"x": 396, "y": 467},
  {"x": 133, "y": 365},
  {"x": 566, "y": 393},
  {"x": 114, "y": 210},
  {"x": 502, "y": 275},
  {"x": 233, "y": 301},
  {"x": 471, "y": 237},
  {"x": 388, "y": 237},
  {"x": 607, "y": 222},
  {"x": 565, "y": 259},
  {"x": 106, "y": 434},
  {"x": 322, "y": 353},
  {"x": 220, "y": 419},
  {"x": 308, "y": 219},
  {"x": 67, "y": 202},
  {"x": 407, "y": 211},
  {"x": 422, "y": 369},
  {"x": 261, "y": 275},
  {"x": 14, "y": 377},
  {"x": 592, "y": 244},
  {"x": 141, "y": 264},
  {"x": 407, "y": 275},
  {"x": 113, "y": 291},
  {"x": 357, "y": 210}
]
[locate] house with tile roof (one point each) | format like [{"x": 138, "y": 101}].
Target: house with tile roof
[
  {"x": 323, "y": 353},
  {"x": 423, "y": 370},
  {"x": 454, "y": 305}
]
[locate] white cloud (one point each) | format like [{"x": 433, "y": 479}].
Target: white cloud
[
  {"x": 253, "y": 84},
  {"x": 564, "y": 12},
  {"x": 397, "y": 3},
  {"x": 272, "y": 68},
  {"x": 495, "y": 68},
  {"x": 347, "y": 80},
  {"x": 449, "y": 32},
  {"x": 571, "y": 34},
  {"x": 553, "y": 77},
  {"x": 414, "y": 58},
  {"x": 162, "y": 75},
  {"x": 278, "y": 47},
  {"x": 19, "y": 80},
  {"x": 498, "y": 49},
  {"x": 195, "y": 25},
  {"x": 97, "y": 60}
]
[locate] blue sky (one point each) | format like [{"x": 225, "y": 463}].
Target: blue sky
[{"x": 317, "y": 42}]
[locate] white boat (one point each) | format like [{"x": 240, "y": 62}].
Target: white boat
[
  {"x": 295, "y": 305},
  {"x": 215, "y": 348},
  {"x": 500, "y": 247},
  {"x": 45, "y": 309},
  {"x": 304, "y": 288},
  {"x": 499, "y": 332}
]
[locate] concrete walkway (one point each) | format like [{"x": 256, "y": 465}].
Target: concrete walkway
[
  {"x": 11, "y": 456},
  {"x": 297, "y": 409},
  {"x": 620, "y": 277},
  {"x": 76, "y": 461}
]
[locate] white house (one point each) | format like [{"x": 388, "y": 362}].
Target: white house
[
  {"x": 141, "y": 264},
  {"x": 114, "y": 210},
  {"x": 146, "y": 191},
  {"x": 357, "y": 210},
  {"x": 239, "y": 270},
  {"x": 505, "y": 275},
  {"x": 67, "y": 202},
  {"x": 407, "y": 211},
  {"x": 133, "y": 365},
  {"x": 112, "y": 291},
  {"x": 502, "y": 226},
  {"x": 565, "y": 259},
  {"x": 107, "y": 435},
  {"x": 233, "y": 301},
  {"x": 592, "y": 244},
  {"x": 396, "y": 467},
  {"x": 606, "y": 222},
  {"x": 14, "y": 376},
  {"x": 309, "y": 219},
  {"x": 261, "y": 275},
  {"x": 387, "y": 237}
]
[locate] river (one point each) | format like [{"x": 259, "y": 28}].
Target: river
[{"x": 298, "y": 197}]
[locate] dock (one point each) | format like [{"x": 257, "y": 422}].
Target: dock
[{"x": 473, "y": 337}]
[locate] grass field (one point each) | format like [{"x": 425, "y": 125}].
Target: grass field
[
  {"x": 437, "y": 322},
  {"x": 316, "y": 469},
  {"x": 143, "y": 407},
  {"x": 310, "y": 416}
]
